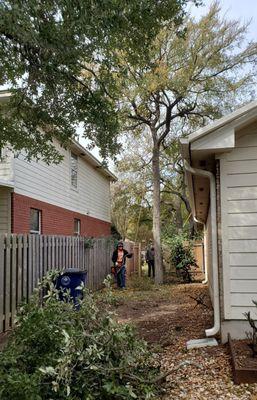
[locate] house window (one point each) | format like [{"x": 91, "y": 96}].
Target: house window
[
  {"x": 35, "y": 221},
  {"x": 76, "y": 227},
  {"x": 74, "y": 170}
]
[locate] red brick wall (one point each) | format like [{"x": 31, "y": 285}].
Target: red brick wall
[{"x": 55, "y": 220}]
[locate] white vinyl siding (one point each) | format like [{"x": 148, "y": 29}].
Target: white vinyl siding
[
  {"x": 52, "y": 184},
  {"x": 239, "y": 224},
  {"x": 5, "y": 210}
]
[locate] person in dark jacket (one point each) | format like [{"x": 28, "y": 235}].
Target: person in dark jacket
[
  {"x": 149, "y": 258},
  {"x": 119, "y": 260}
]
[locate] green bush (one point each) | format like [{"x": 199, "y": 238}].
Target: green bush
[
  {"x": 56, "y": 352},
  {"x": 181, "y": 254}
]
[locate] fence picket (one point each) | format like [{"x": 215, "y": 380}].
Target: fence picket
[
  {"x": 53, "y": 266},
  {"x": 30, "y": 263},
  {"x": 49, "y": 258},
  {"x": 40, "y": 265},
  {"x": 7, "y": 302},
  {"x": 25, "y": 269},
  {"x": 25, "y": 259},
  {"x": 19, "y": 268},
  {"x": 13, "y": 278},
  {"x": 44, "y": 263},
  {"x": 56, "y": 246}
]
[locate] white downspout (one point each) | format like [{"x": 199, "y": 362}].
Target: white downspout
[
  {"x": 205, "y": 256},
  {"x": 216, "y": 306},
  {"x": 205, "y": 250}
]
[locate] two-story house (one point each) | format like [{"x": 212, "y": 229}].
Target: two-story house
[{"x": 71, "y": 198}]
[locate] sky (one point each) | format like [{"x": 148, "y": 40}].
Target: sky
[{"x": 244, "y": 10}]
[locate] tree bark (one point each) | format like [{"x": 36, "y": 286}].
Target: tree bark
[{"x": 156, "y": 215}]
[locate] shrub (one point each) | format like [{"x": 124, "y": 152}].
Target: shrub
[
  {"x": 181, "y": 254},
  {"x": 252, "y": 336},
  {"x": 56, "y": 352}
]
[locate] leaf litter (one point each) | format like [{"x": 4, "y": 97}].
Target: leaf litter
[{"x": 167, "y": 317}]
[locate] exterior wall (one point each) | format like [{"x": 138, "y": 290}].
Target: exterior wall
[
  {"x": 54, "y": 220},
  {"x": 5, "y": 210},
  {"x": 219, "y": 240},
  {"x": 6, "y": 166},
  {"x": 208, "y": 258},
  {"x": 239, "y": 227},
  {"x": 52, "y": 184}
]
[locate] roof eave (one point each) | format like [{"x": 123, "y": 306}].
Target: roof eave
[
  {"x": 185, "y": 151},
  {"x": 94, "y": 161},
  {"x": 237, "y": 115}
]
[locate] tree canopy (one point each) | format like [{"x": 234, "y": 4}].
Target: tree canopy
[
  {"x": 190, "y": 80},
  {"x": 59, "y": 58}
]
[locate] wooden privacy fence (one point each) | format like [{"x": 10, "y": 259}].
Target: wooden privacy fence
[
  {"x": 25, "y": 259},
  {"x": 133, "y": 264}
]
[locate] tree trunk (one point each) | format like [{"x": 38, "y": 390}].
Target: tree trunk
[{"x": 156, "y": 215}]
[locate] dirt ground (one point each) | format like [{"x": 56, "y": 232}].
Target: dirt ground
[{"x": 167, "y": 318}]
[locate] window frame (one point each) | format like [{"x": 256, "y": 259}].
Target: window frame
[
  {"x": 74, "y": 156},
  {"x": 78, "y": 231},
  {"x": 32, "y": 231}
]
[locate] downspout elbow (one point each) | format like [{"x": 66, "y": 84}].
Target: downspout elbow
[{"x": 207, "y": 174}]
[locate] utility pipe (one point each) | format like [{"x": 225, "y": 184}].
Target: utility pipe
[
  {"x": 205, "y": 250},
  {"x": 216, "y": 306}
]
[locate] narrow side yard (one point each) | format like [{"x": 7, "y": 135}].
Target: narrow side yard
[{"x": 166, "y": 318}]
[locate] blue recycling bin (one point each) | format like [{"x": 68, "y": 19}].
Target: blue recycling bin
[{"x": 72, "y": 280}]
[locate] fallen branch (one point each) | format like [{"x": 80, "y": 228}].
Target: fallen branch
[
  {"x": 199, "y": 300},
  {"x": 161, "y": 377}
]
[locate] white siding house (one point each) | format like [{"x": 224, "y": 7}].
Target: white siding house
[
  {"x": 52, "y": 184},
  {"x": 227, "y": 150},
  {"x": 72, "y": 197}
]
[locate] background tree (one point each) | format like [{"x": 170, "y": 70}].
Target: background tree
[
  {"x": 132, "y": 194},
  {"x": 131, "y": 202},
  {"x": 189, "y": 80},
  {"x": 131, "y": 215},
  {"x": 56, "y": 56}
]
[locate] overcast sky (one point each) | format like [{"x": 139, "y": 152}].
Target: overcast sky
[{"x": 245, "y": 10}]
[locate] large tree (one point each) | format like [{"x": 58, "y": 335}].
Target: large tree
[
  {"x": 190, "y": 79},
  {"x": 132, "y": 194},
  {"x": 57, "y": 57}
]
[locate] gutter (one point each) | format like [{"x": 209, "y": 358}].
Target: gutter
[
  {"x": 205, "y": 247},
  {"x": 216, "y": 306}
]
